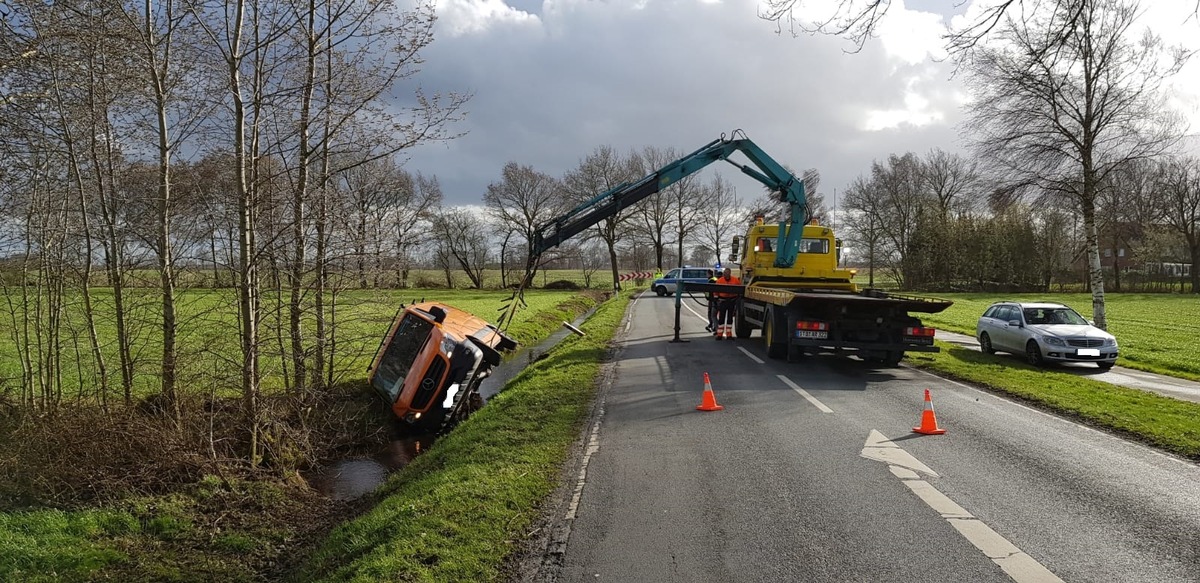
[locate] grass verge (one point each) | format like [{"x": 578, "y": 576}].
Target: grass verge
[
  {"x": 1161, "y": 421},
  {"x": 455, "y": 512}
]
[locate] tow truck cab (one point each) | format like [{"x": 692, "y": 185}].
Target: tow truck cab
[{"x": 432, "y": 360}]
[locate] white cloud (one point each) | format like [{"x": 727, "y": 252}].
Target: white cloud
[
  {"x": 460, "y": 17},
  {"x": 912, "y": 36}
]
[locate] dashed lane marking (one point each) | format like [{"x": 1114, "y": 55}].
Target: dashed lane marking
[
  {"x": 805, "y": 394},
  {"x": 752, "y": 357}
]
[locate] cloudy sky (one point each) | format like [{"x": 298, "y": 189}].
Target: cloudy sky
[{"x": 554, "y": 79}]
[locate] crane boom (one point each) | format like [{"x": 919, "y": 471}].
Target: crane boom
[{"x": 766, "y": 170}]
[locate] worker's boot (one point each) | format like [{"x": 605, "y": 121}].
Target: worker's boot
[
  {"x": 720, "y": 330},
  {"x": 729, "y": 331}
]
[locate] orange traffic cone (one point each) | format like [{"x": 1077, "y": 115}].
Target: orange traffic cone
[
  {"x": 709, "y": 402},
  {"x": 929, "y": 424}
]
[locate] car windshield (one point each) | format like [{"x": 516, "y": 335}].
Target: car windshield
[
  {"x": 401, "y": 352},
  {"x": 1053, "y": 316}
]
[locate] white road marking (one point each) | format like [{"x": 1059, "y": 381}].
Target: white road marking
[
  {"x": 804, "y": 393},
  {"x": 689, "y": 308},
  {"x": 592, "y": 447},
  {"x": 1019, "y": 566},
  {"x": 752, "y": 357},
  {"x": 881, "y": 449}
]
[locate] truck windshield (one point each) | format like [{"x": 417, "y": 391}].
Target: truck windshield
[{"x": 401, "y": 351}]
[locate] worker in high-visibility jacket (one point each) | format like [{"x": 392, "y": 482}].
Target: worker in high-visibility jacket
[{"x": 726, "y": 304}]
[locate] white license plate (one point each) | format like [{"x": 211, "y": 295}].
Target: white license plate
[
  {"x": 812, "y": 334},
  {"x": 1088, "y": 352}
]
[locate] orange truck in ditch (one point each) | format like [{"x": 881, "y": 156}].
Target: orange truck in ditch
[{"x": 430, "y": 364}]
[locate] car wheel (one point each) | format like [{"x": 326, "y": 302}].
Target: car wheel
[
  {"x": 985, "y": 344},
  {"x": 1033, "y": 354},
  {"x": 1105, "y": 365},
  {"x": 661, "y": 291}
]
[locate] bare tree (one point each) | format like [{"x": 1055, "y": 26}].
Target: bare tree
[
  {"x": 1126, "y": 206},
  {"x": 899, "y": 187},
  {"x": 523, "y": 200},
  {"x": 952, "y": 182},
  {"x": 865, "y": 216},
  {"x": 858, "y": 20},
  {"x": 1180, "y": 186},
  {"x": 655, "y": 215},
  {"x": 461, "y": 236},
  {"x": 1061, "y": 110},
  {"x": 601, "y": 171},
  {"x": 721, "y": 216}
]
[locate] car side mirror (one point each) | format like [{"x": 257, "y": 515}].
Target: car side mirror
[
  {"x": 1016, "y": 323},
  {"x": 733, "y": 248}
]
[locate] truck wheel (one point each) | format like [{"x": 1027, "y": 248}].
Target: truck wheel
[
  {"x": 775, "y": 336},
  {"x": 741, "y": 327},
  {"x": 893, "y": 358}
]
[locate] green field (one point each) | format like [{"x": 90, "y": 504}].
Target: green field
[
  {"x": 208, "y": 341},
  {"x": 1156, "y": 332}
]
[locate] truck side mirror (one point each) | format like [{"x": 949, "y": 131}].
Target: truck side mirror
[
  {"x": 733, "y": 250},
  {"x": 837, "y": 243}
]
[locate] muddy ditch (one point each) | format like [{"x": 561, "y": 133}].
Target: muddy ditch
[{"x": 351, "y": 478}]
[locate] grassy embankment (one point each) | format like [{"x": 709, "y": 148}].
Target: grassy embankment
[
  {"x": 218, "y": 530},
  {"x": 453, "y": 515},
  {"x": 1156, "y": 333}
]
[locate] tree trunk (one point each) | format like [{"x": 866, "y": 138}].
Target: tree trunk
[
  {"x": 248, "y": 300},
  {"x": 1095, "y": 271}
]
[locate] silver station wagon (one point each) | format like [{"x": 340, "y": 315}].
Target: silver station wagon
[{"x": 1044, "y": 332}]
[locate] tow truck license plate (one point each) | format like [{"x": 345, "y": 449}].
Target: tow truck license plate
[
  {"x": 1088, "y": 352},
  {"x": 818, "y": 334}
]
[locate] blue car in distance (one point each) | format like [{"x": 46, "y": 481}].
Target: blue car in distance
[{"x": 667, "y": 284}]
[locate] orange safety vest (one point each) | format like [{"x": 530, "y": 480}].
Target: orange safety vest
[{"x": 733, "y": 280}]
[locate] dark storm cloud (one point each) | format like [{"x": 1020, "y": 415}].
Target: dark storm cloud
[{"x": 549, "y": 88}]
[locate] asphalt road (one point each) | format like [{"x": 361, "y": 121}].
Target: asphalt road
[{"x": 811, "y": 473}]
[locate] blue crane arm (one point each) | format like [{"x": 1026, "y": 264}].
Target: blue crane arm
[{"x": 607, "y": 204}]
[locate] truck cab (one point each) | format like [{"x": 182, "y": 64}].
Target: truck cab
[
  {"x": 431, "y": 362},
  {"x": 816, "y": 264}
]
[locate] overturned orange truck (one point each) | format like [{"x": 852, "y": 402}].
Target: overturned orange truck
[{"x": 430, "y": 364}]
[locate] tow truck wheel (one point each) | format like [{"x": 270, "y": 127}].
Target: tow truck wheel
[
  {"x": 741, "y": 327},
  {"x": 776, "y": 344},
  {"x": 893, "y": 358}
]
